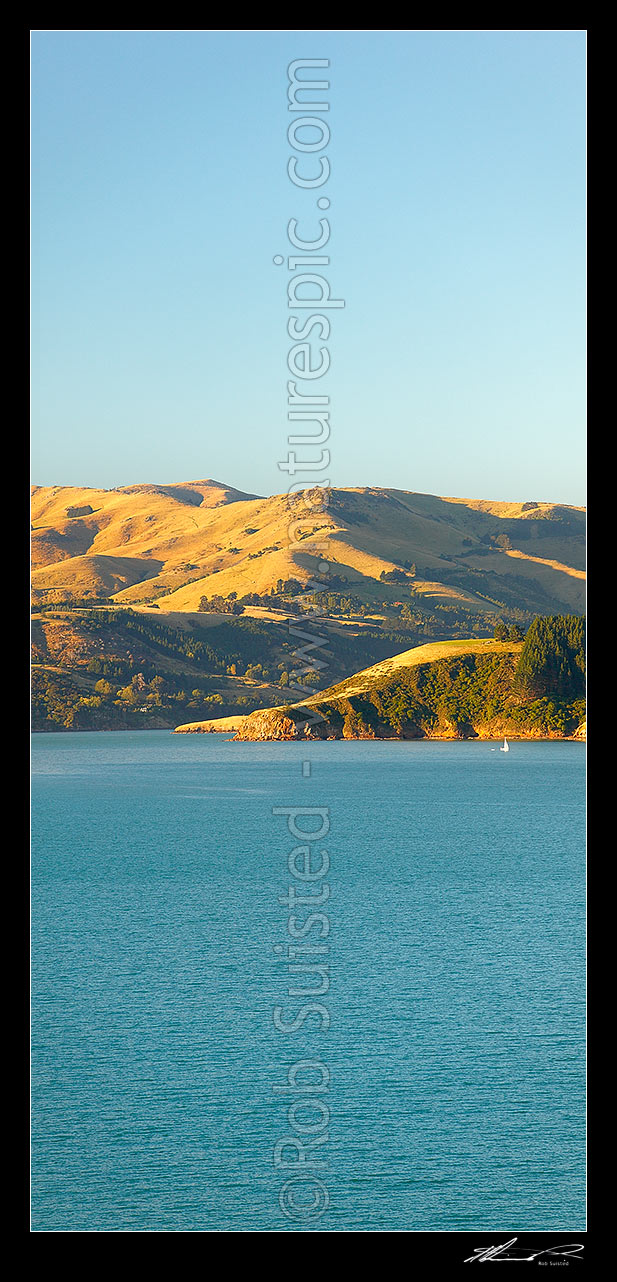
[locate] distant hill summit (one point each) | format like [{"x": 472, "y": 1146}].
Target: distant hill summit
[
  {"x": 196, "y": 493},
  {"x": 172, "y": 545}
]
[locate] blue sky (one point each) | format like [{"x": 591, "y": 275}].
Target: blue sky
[{"x": 160, "y": 196}]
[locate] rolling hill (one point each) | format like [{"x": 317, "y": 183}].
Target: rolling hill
[{"x": 171, "y": 545}]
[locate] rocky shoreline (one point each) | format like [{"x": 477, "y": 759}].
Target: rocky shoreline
[{"x": 273, "y": 725}]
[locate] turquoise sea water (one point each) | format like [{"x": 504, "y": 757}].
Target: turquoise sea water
[{"x": 450, "y": 1092}]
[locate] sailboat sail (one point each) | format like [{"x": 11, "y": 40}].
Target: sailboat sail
[{"x": 506, "y": 746}]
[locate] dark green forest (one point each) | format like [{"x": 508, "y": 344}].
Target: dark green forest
[{"x": 552, "y": 663}]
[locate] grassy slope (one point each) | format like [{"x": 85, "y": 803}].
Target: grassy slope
[{"x": 175, "y": 543}]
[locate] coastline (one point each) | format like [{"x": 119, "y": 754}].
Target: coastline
[
  {"x": 226, "y": 725},
  {"x": 208, "y": 728}
]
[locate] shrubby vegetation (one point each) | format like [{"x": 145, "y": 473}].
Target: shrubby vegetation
[
  {"x": 147, "y": 672},
  {"x": 123, "y": 669},
  {"x": 463, "y": 691},
  {"x": 62, "y": 702},
  {"x": 505, "y": 632},
  {"x": 394, "y": 576},
  {"x": 539, "y": 691}
]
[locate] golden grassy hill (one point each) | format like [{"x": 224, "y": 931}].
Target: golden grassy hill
[{"x": 173, "y": 544}]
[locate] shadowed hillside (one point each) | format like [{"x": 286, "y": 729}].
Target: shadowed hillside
[
  {"x": 106, "y": 668},
  {"x": 179, "y": 546}
]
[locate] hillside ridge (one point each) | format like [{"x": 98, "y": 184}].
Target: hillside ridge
[{"x": 172, "y": 545}]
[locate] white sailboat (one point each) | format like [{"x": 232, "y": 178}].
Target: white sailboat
[{"x": 506, "y": 746}]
